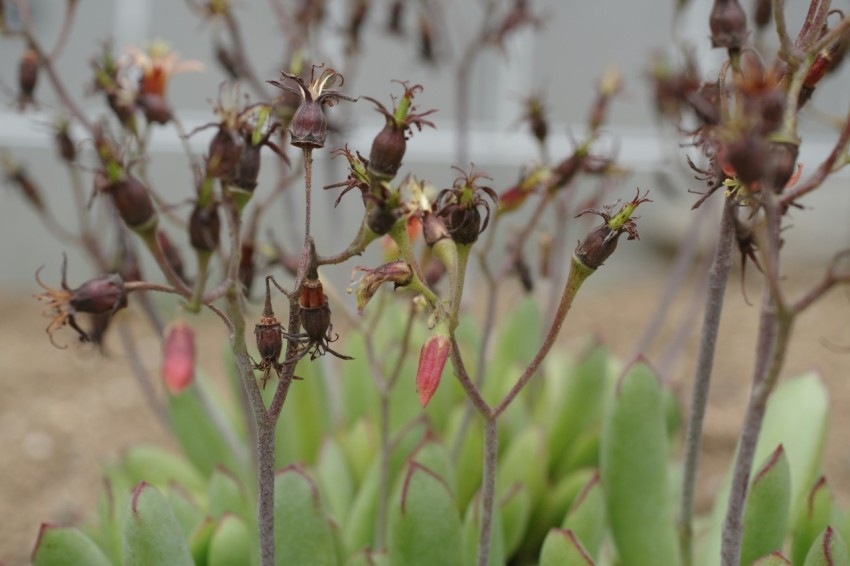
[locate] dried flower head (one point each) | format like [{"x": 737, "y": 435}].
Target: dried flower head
[
  {"x": 601, "y": 242},
  {"x": 309, "y": 128},
  {"x": 103, "y": 294},
  {"x": 458, "y": 206},
  {"x": 399, "y": 273}
]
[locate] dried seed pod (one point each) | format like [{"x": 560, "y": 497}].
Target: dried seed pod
[
  {"x": 269, "y": 335},
  {"x": 134, "y": 203},
  {"x": 205, "y": 228},
  {"x": 155, "y": 108},
  {"x": 433, "y": 229},
  {"x": 224, "y": 153},
  {"x": 728, "y": 24},
  {"x": 27, "y": 77},
  {"x": 381, "y": 219}
]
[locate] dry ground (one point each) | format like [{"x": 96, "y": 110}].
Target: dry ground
[{"x": 63, "y": 413}]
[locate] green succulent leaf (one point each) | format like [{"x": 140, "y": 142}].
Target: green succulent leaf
[
  {"x": 471, "y": 530},
  {"x": 199, "y": 540},
  {"x": 562, "y": 548},
  {"x": 160, "y": 468},
  {"x": 151, "y": 532},
  {"x": 586, "y": 517},
  {"x": 516, "y": 466},
  {"x": 579, "y": 411},
  {"x": 515, "y": 505},
  {"x": 185, "y": 508},
  {"x": 367, "y": 557},
  {"x": 301, "y": 530},
  {"x": 424, "y": 526},
  {"x": 201, "y": 439},
  {"x": 796, "y": 417},
  {"x": 772, "y": 559},
  {"x": 768, "y": 505},
  {"x": 633, "y": 465},
  {"x": 226, "y": 494},
  {"x": 819, "y": 512},
  {"x": 360, "y": 445},
  {"x": 468, "y": 461},
  {"x": 66, "y": 546},
  {"x": 306, "y": 418},
  {"x": 828, "y": 549},
  {"x": 231, "y": 543},
  {"x": 334, "y": 479}
]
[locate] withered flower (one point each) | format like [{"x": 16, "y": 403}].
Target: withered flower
[
  {"x": 269, "y": 334},
  {"x": 309, "y": 128},
  {"x": 399, "y": 273},
  {"x": 458, "y": 207},
  {"x": 103, "y": 294},
  {"x": 390, "y": 144},
  {"x": 601, "y": 242}
]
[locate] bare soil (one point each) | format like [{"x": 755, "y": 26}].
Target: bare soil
[{"x": 64, "y": 413}]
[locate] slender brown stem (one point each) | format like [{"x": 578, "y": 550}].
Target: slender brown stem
[
  {"x": 578, "y": 274},
  {"x": 128, "y": 342},
  {"x": 718, "y": 276},
  {"x": 308, "y": 183},
  {"x": 488, "y": 489}
]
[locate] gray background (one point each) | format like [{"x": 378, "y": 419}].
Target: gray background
[{"x": 578, "y": 42}]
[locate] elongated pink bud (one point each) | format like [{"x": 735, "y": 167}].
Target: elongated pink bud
[
  {"x": 432, "y": 360},
  {"x": 178, "y": 358}
]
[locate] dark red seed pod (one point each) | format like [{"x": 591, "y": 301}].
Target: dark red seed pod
[
  {"x": 225, "y": 151},
  {"x": 781, "y": 163},
  {"x": 597, "y": 247},
  {"x": 747, "y": 156},
  {"x": 387, "y": 151},
  {"x": 728, "y": 24},
  {"x": 27, "y": 75},
  {"x": 312, "y": 294},
  {"x": 172, "y": 255},
  {"x": 205, "y": 228},
  {"x": 269, "y": 337},
  {"x": 380, "y": 220},
  {"x": 248, "y": 168},
  {"x": 133, "y": 202},
  {"x": 762, "y": 13},
  {"x": 102, "y": 294},
  {"x": 123, "y": 109},
  {"x": 463, "y": 223},
  {"x": 308, "y": 128},
  {"x": 316, "y": 322},
  {"x": 65, "y": 145},
  {"x": 155, "y": 108}
]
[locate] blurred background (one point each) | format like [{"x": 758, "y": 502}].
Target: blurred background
[{"x": 64, "y": 413}]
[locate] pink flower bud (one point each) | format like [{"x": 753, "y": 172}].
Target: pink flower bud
[
  {"x": 178, "y": 358},
  {"x": 432, "y": 360}
]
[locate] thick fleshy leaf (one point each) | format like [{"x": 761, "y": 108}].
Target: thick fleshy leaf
[
  {"x": 514, "y": 347},
  {"x": 469, "y": 461},
  {"x": 359, "y": 401},
  {"x": 231, "y": 542},
  {"x": 796, "y": 417},
  {"x": 185, "y": 508},
  {"x": 202, "y": 441},
  {"x": 435, "y": 456},
  {"x": 424, "y": 523},
  {"x": 633, "y": 465},
  {"x": 66, "y": 546},
  {"x": 772, "y": 559},
  {"x": 334, "y": 479},
  {"x": 199, "y": 540},
  {"x": 472, "y": 529},
  {"x": 151, "y": 532},
  {"x": 768, "y": 505},
  {"x": 111, "y": 504},
  {"x": 562, "y": 548},
  {"x": 306, "y": 419},
  {"x": 515, "y": 505},
  {"x": 819, "y": 512},
  {"x": 580, "y": 408},
  {"x": 515, "y": 466},
  {"x": 828, "y": 549},
  {"x": 551, "y": 510},
  {"x": 301, "y": 530},
  {"x": 367, "y": 557},
  {"x": 226, "y": 494},
  {"x": 160, "y": 468},
  {"x": 360, "y": 445},
  {"x": 586, "y": 517}
]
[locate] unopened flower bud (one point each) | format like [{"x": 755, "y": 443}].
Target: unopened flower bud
[
  {"x": 398, "y": 273},
  {"x": 432, "y": 361},
  {"x": 728, "y": 24},
  {"x": 178, "y": 358},
  {"x": 205, "y": 228}
]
